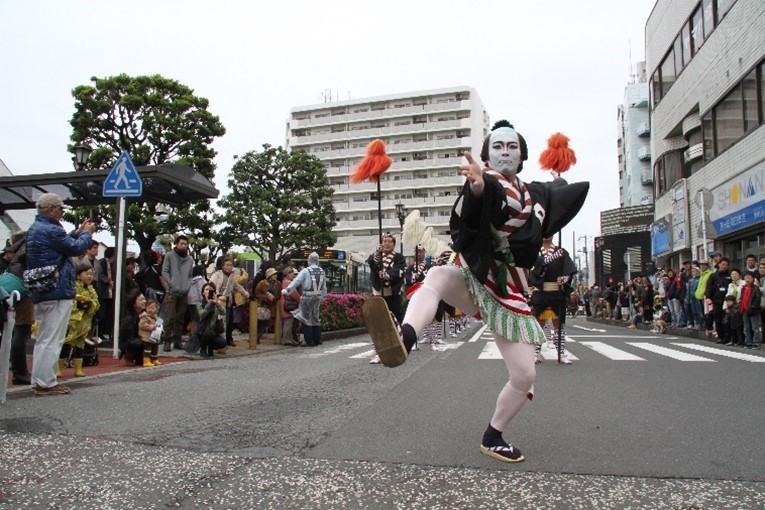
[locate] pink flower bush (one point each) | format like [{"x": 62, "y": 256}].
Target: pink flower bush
[{"x": 342, "y": 311}]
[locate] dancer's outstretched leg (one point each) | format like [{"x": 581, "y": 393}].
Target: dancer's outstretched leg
[
  {"x": 442, "y": 282},
  {"x": 519, "y": 360}
]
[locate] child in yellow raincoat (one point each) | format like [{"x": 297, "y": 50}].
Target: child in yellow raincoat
[{"x": 84, "y": 308}]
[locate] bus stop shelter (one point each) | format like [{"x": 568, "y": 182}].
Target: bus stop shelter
[{"x": 170, "y": 184}]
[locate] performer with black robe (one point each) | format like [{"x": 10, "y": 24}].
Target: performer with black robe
[
  {"x": 551, "y": 278},
  {"x": 387, "y": 274},
  {"x": 497, "y": 226}
]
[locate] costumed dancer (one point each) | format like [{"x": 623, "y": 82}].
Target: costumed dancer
[
  {"x": 387, "y": 274},
  {"x": 497, "y": 226},
  {"x": 551, "y": 278}
]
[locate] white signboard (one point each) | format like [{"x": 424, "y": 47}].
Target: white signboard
[
  {"x": 740, "y": 202},
  {"x": 680, "y": 232}
]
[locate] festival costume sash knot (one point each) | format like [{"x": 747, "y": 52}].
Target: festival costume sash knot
[{"x": 518, "y": 200}]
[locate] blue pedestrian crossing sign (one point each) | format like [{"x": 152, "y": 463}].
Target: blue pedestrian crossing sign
[{"x": 123, "y": 180}]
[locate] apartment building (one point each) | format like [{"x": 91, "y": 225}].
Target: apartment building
[
  {"x": 633, "y": 143},
  {"x": 706, "y": 60},
  {"x": 425, "y": 133}
]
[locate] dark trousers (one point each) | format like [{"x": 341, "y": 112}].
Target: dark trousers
[
  {"x": 395, "y": 306},
  {"x": 229, "y": 325},
  {"x": 312, "y": 334},
  {"x": 718, "y": 315},
  {"x": 105, "y": 316},
  {"x": 21, "y": 335},
  {"x": 175, "y": 317}
]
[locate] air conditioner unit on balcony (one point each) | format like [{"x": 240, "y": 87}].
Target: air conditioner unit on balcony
[{"x": 644, "y": 153}]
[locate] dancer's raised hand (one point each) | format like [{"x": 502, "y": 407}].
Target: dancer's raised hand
[{"x": 473, "y": 173}]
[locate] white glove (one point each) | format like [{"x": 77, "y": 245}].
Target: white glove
[{"x": 285, "y": 292}]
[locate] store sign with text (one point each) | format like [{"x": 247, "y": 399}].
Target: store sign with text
[{"x": 740, "y": 202}]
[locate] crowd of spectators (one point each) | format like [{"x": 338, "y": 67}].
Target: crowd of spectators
[
  {"x": 727, "y": 304},
  {"x": 165, "y": 296}
]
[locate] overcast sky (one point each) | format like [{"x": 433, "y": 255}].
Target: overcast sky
[{"x": 546, "y": 66}]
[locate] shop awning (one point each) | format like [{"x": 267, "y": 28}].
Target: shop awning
[{"x": 170, "y": 184}]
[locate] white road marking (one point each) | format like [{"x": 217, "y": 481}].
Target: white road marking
[
  {"x": 654, "y": 337},
  {"x": 670, "y": 353},
  {"x": 478, "y": 334},
  {"x": 339, "y": 348},
  {"x": 490, "y": 351},
  {"x": 552, "y": 354},
  {"x": 365, "y": 354},
  {"x": 611, "y": 352},
  {"x": 588, "y": 329},
  {"x": 723, "y": 352}
]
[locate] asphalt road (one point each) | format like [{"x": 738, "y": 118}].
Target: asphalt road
[{"x": 321, "y": 428}]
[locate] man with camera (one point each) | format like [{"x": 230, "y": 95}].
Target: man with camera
[{"x": 49, "y": 246}]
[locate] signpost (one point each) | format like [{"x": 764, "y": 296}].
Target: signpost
[{"x": 123, "y": 181}]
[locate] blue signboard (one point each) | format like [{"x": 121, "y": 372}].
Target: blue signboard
[
  {"x": 743, "y": 218},
  {"x": 123, "y": 180},
  {"x": 660, "y": 239}
]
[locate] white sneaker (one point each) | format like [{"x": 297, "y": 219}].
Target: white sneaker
[
  {"x": 550, "y": 345},
  {"x": 375, "y": 360},
  {"x": 564, "y": 359}
]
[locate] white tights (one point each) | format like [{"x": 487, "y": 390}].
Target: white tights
[{"x": 446, "y": 282}]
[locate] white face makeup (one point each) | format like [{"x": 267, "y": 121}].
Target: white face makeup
[{"x": 504, "y": 151}]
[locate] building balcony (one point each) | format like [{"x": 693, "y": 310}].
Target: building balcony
[
  {"x": 394, "y": 148},
  {"x": 455, "y": 181},
  {"x": 402, "y": 166},
  {"x": 386, "y": 113},
  {"x": 646, "y": 177},
  {"x": 693, "y": 152},
  {"x": 644, "y": 153},
  {"x": 643, "y": 129},
  {"x": 372, "y": 132}
]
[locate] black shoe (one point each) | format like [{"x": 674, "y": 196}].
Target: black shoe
[
  {"x": 21, "y": 380},
  {"x": 178, "y": 345},
  {"x": 167, "y": 347},
  {"x": 720, "y": 342},
  {"x": 230, "y": 343},
  {"x": 204, "y": 354},
  {"x": 505, "y": 453}
]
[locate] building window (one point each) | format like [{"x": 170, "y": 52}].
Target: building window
[
  {"x": 709, "y": 19},
  {"x": 677, "y": 49},
  {"x": 697, "y": 29},
  {"x": 762, "y": 92},
  {"x": 667, "y": 68},
  {"x": 655, "y": 88},
  {"x": 685, "y": 35},
  {"x": 668, "y": 169},
  {"x": 723, "y": 6},
  {"x": 729, "y": 120},
  {"x": 749, "y": 86}
]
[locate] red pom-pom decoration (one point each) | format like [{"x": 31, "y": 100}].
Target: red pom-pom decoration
[
  {"x": 374, "y": 164},
  {"x": 557, "y": 156}
]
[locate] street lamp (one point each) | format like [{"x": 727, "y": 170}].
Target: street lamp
[
  {"x": 81, "y": 155},
  {"x": 401, "y": 215}
]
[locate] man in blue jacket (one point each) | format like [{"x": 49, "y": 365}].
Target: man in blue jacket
[{"x": 48, "y": 244}]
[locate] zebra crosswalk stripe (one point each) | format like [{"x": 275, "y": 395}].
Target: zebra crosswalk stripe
[
  {"x": 670, "y": 353},
  {"x": 611, "y": 352},
  {"x": 365, "y": 354},
  {"x": 723, "y": 352}
]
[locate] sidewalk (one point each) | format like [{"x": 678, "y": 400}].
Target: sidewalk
[{"x": 107, "y": 365}]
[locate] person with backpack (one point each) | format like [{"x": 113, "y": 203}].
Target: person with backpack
[{"x": 314, "y": 285}]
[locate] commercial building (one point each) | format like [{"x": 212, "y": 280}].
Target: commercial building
[
  {"x": 633, "y": 143},
  {"x": 706, "y": 60},
  {"x": 425, "y": 133}
]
